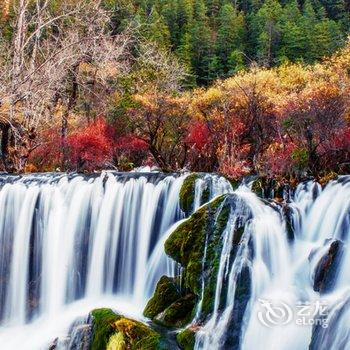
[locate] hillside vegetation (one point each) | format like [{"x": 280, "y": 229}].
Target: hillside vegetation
[{"x": 235, "y": 87}]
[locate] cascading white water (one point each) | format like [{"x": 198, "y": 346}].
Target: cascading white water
[
  {"x": 283, "y": 274},
  {"x": 72, "y": 243}
]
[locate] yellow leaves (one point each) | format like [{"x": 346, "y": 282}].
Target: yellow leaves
[
  {"x": 208, "y": 98},
  {"x": 5, "y": 8},
  {"x": 293, "y": 77}
]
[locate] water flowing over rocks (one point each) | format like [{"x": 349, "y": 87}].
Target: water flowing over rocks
[{"x": 155, "y": 261}]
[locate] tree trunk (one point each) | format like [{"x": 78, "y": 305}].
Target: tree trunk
[
  {"x": 5, "y": 131},
  {"x": 64, "y": 123}
]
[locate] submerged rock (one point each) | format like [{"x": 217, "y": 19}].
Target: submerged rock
[
  {"x": 232, "y": 338},
  {"x": 327, "y": 267}
]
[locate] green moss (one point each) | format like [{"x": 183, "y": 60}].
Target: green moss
[
  {"x": 103, "y": 327},
  {"x": 166, "y": 293},
  {"x": 115, "y": 332},
  {"x": 258, "y": 187},
  {"x": 186, "y": 245},
  {"x": 205, "y": 195},
  {"x": 138, "y": 336},
  {"x": 179, "y": 313},
  {"x": 186, "y": 339},
  {"x": 187, "y": 239},
  {"x": 234, "y": 183},
  {"x": 116, "y": 342},
  {"x": 187, "y": 193}
]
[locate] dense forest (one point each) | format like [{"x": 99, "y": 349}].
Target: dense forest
[
  {"x": 230, "y": 86},
  {"x": 217, "y": 38}
]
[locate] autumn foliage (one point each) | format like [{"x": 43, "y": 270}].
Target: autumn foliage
[
  {"x": 287, "y": 121},
  {"x": 91, "y": 147}
]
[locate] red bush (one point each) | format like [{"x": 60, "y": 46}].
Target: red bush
[{"x": 91, "y": 147}]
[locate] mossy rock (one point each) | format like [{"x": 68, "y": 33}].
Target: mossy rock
[
  {"x": 242, "y": 295},
  {"x": 187, "y": 192},
  {"x": 115, "y": 332},
  {"x": 116, "y": 342},
  {"x": 103, "y": 327},
  {"x": 234, "y": 183},
  {"x": 271, "y": 188},
  {"x": 258, "y": 187},
  {"x": 179, "y": 313},
  {"x": 197, "y": 245},
  {"x": 137, "y": 335},
  {"x": 166, "y": 292},
  {"x": 186, "y": 244},
  {"x": 186, "y": 339}
]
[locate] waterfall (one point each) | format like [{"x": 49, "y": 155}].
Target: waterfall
[
  {"x": 70, "y": 243},
  {"x": 299, "y": 284}
]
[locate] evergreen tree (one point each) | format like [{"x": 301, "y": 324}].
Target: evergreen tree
[
  {"x": 184, "y": 52},
  {"x": 335, "y": 9},
  {"x": 328, "y": 38},
  {"x": 267, "y": 30},
  {"x": 157, "y": 30},
  {"x": 201, "y": 43},
  {"x": 214, "y": 38},
  {"x": 184, "y": 16},
  {"x": 235, "y": 62},
  {"x": 293, "y": 37},
  {"x": 230, "y": 35},
  {"x": 169, "y": 13}
]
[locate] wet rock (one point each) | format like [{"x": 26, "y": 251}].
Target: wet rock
[
  {"x": 326, "y": 269},
  {"x": 242, "y": 295},
  {"x": 196, "y": 244},
  {"x": 271, "y": 188},
  {"x": 186, "y": 339},
  {"x": 136, "y": 335},
  {"x": 179, "y": 313},
  {"x": 287, "y": 212},
  {"x": 187, "y": 193},
  {"x": 325, "y": 327},
  {"x": 103, "y": 327},
  {"x": 112, "y": 331},
  {"x": 166, "y": 292}
]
